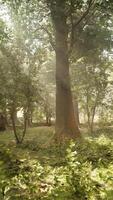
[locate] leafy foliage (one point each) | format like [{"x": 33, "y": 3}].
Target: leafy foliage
[{"x": 86, "y": 173}]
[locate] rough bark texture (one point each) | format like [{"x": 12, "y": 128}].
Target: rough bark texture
[{"x": 66, "y": 125}]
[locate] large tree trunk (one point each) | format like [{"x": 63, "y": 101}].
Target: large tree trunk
[{"x": 66, "y": 124}]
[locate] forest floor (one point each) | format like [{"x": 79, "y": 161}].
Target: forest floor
[
  {"x": 35, "y": 143},
  {"x": 38, "y": 143},
  {"x": 91, "y": 161}
]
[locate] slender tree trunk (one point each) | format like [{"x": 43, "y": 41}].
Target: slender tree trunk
[
  {"x": 88, "y": 111},
  {"x": 92, "y": 124},
  {"x": 19, "y": 139},
  {"x": 76, "y": 110},
  {"x": 66, "y": 124},
  {"x": 93, "y": 113},
  {"x": 24, "y": 129},
  {"x": 28, "y": 117},
  {"x": 48, "y": 120},
  {"x": 6, "y": 115},
  {"x": 14, "y": 128},
  {"x": 2, "y": 123}
]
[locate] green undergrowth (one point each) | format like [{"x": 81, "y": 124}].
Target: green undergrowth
[{"x": 76, "y": 170}]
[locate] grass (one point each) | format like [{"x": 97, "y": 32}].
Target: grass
[
  {"x": 94, "y": 154},
  {"x": 42, "y": 133},
  {"x": 37, "y": 144}
]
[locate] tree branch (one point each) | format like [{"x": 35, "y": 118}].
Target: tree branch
[
  {"x": 51, "y": 40},
  {"x": 91, "y": 2},
  {"x": 50, "y": 37},
  {"x": 73, "y": 26}
]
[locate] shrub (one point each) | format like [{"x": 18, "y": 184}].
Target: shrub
[{"x": 86, "y": 174}]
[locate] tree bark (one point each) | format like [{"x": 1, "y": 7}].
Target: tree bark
[
  {"x": 18, "y": 138},
  {"x": 76, "y": 110},
  {"x": 93, "y": 112},
  {"x": 2, "y": 123},
  {"x": 66, "y": 124},
  {"x": 14, "y": 128},
  {"x": 48, "y": 120}
]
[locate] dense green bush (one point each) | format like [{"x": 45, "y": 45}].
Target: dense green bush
[{"x": 87, "y": 173}]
